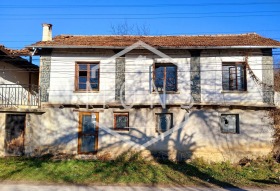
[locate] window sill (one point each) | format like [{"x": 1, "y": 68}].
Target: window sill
[
  {"x": 121, "y": 129},
  {"x": 229, "y": 132},
  {"x": 160, "y": 132},
  {"x": 81, "y": 91},
  {"x": 168, "y": 92},
  {"x": 87, "y": 153},
  {"x": 234, "y": 91}
]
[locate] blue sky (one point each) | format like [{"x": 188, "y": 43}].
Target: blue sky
[{"x": 21, "y": 20}]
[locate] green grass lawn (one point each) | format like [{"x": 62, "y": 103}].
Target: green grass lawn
[{"x": 134, "y": 170}]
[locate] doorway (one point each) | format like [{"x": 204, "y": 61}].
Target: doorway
[
  {"x": 88, "y": 133},
  {"x": 14, "y": 138}
]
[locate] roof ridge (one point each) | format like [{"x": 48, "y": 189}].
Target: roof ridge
[
  {"x": 241, "y": 34},
  {"x": 216, "y": 40}
]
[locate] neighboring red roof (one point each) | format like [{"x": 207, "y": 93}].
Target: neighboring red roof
[
  {"x": 13, "y": 52},
  {"x": 21, "y": 52},
  {"x": 14, "y": 57},
  {"x": 250, "y": 39}
]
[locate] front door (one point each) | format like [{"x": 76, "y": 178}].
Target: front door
[
  {"x": 88, "y": 132},
  {"x": 14, "y": 139}
]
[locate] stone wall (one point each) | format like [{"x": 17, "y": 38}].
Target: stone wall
[
  {"x": 45, "y": 69},
  {"x": 267, "y": 76},
  {"x": 120, "y": 79},
  {"x": 195, "y": 76}
]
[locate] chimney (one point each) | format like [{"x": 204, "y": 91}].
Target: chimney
[{"x": 47, "y": 32}]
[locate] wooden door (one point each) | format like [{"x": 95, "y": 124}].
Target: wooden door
[
  {"x": 88, "y": 133},
  {"x": 14, "y": 139}
]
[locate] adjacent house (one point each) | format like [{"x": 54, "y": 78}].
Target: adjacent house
[
  {"x": 170, "y": 96},
  {"x": 19, "y": 97}
]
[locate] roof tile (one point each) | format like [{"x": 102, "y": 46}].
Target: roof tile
[
  {"x": 249, "y": 39},
  {"x": 15, "y": 52}
]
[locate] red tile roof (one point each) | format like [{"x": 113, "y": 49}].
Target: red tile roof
[
  {"x": 13, "y": 52},
  {"x": 14, "y": 57},
  {"x": 250, "y": 39}
]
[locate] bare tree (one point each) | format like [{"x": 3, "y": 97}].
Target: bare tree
[
  {"x": 127, "y": 29},
  {"x": 142, "y": 29}
]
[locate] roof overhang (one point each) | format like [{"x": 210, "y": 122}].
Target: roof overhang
[
  {"x": 17, "y": 61},
  {"x": 158, "y": 47},
  {"x": 2, "y": 49}
]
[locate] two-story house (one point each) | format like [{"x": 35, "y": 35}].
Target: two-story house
[
  {"x": 178, "y": 96},
  {"x": 19, "y": 98}
]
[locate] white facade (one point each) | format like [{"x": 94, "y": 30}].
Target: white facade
[
  {"x": 138, "y": 75},
  {"x": 198, "y": 129}
]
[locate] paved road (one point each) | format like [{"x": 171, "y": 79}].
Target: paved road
[{"x": 33, "y": 187}]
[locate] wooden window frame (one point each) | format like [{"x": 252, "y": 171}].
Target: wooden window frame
[
  {"x": 80, "y": 133},
  {"x": 237, "y": 124},
  {"x": 88, "y": 76},
  {"x": 157, "y": 114},
  {"x": 115, "y": 121},
  {"x": 234, "y": 65},
  {"x": 165, "y": 65}
]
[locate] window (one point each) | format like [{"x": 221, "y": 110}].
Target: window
[
  {"x": 164, "y": 122},
  {"x": 230, "y": 123},
  {"x": 234, "y": 76},
  {"x": 165, "y": 76},
  {"x": 121, "y": 121},
  {"x": 87, "y": 73}
]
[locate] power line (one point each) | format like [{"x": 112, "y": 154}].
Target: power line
[
  {"x": 104, "y": 60},
  {"x": 72, "y": 72},
  {"x": 24, "y": 6},
  {"x": 108, "y": 62},
  {"x": 137, "y": 14},
  {"x": 179, "y": 33},
  {"x": 142, "y": 18}
]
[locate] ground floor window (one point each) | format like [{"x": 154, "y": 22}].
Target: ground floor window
[
  {"x": 230, "y": 123},
  {"x": 88, "y": 132},
  {"x": 164, "y": 122},
  {"x": 121, "y": 121}
]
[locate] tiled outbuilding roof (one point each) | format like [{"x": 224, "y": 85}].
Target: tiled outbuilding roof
[
  {"x": 239, "y": 40},
  {"x": 14, "y": 52},
  {"x": 14, "y": 57}
]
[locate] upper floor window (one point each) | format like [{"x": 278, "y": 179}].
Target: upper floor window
[
  {"x": 234, "y": 76},
  {"x": 165, "y": 77},
  {"x": 87, "y": 77}
]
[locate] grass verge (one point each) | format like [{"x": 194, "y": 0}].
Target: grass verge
[{"x": 137, "y": 171}]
